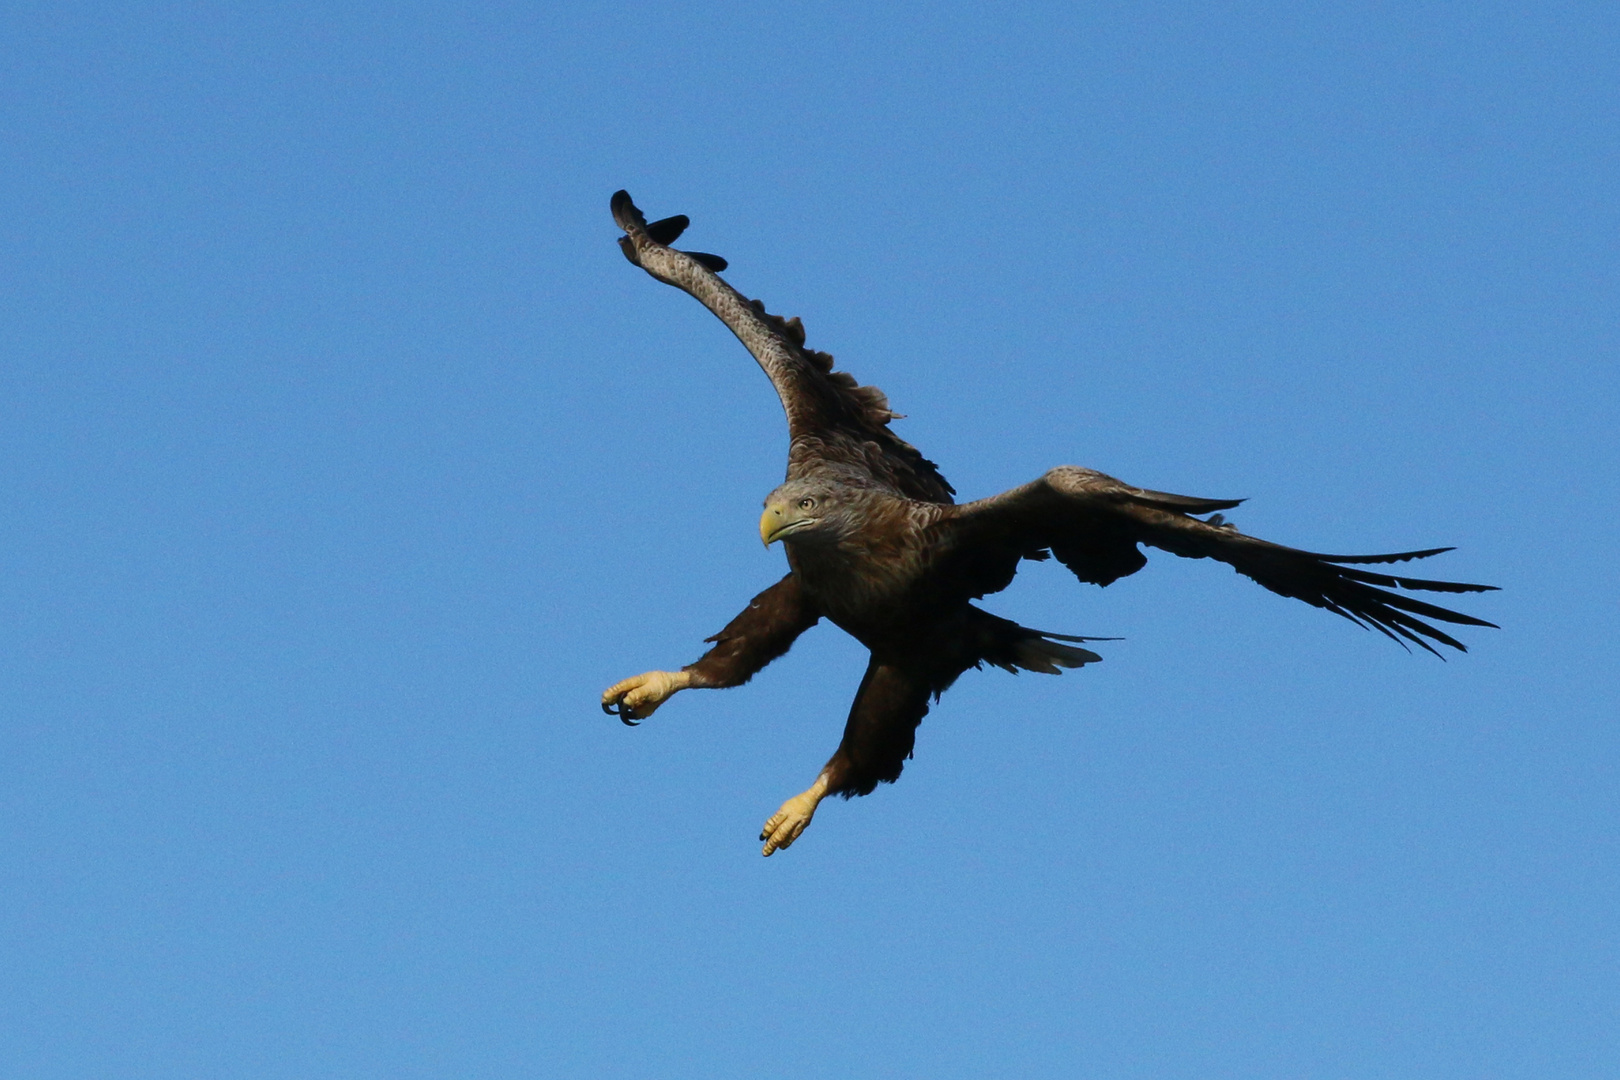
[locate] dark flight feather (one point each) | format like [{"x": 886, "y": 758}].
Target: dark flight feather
[{"x": 668, "y": 230}]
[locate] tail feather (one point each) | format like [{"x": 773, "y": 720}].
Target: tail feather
[
  {"x": 1048, "y": 657},
  {"x": 1006, "y": 645}
]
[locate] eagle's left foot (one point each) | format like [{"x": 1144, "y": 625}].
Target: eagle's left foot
[{"x": 787, "y": 823}]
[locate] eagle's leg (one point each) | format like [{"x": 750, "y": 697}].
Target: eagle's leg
[
  {"x": 761, "y": 633},
  {"x": 878, "y": 738},
  {"x": 794, "y": 817},
  {"x": 639, "y": 696}
]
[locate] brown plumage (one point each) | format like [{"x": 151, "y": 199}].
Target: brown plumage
[{"x": 876, "y": 545}]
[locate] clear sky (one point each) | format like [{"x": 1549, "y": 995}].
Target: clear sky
[{"x": 344, "y": 461}]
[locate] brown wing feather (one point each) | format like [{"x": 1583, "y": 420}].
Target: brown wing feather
[
  {"x": 1093, "y": 523},
  {"x": 831, "y": 419}
]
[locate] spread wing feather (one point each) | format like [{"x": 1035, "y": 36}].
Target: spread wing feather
[
  {"x": 1093, "y": 523},
  {"x": 832, "y": 421}
]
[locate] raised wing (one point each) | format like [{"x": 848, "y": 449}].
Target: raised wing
[
  {"x": 831, "y": 420},
  {"x": 1093, "y": 523}
]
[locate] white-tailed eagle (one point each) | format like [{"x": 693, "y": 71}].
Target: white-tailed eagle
[{"x": 876, "y": 544}]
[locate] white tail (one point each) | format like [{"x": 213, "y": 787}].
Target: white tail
[{"x": 1040, "y": 654}]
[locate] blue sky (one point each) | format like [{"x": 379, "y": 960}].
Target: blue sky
[{"x": 344, "y": 461}]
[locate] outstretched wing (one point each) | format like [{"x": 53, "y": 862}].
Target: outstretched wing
[
  {"x": 1093, "y": 523},
  {"x": 831, "y": 419}
]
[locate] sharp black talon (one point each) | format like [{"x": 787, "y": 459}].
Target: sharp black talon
[
  {"x": 624, "y": 718},
  {"x": 619, "y": 709}
]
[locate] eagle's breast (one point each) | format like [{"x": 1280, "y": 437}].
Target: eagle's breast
[{"x": 873, "y": 581}]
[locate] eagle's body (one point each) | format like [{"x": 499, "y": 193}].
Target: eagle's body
[{"x": 877, "y": 546}]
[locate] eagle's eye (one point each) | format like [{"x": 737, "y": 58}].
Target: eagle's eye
[{"x": 807, "y": 503}]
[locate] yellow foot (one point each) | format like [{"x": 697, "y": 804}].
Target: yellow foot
[
  {"x": 639, "y": 696},
  {"x": 787, "y": 823}
]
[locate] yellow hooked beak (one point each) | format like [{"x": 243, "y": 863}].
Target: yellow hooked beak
[{"x": 778, "y": 520}]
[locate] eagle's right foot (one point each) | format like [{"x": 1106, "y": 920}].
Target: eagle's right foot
[
  {"x": 638, "y": 697},
  {"x": 793, "y": 818}
]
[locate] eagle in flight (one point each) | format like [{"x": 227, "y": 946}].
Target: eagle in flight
[{"x": 876, "y": 544}]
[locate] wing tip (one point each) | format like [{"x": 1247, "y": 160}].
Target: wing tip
[
  {"x": 625, "y": 212},
  {"x": 662, "y": 232}
]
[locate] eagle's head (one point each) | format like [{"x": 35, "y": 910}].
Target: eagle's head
[{"x": 808, "y": 511}]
